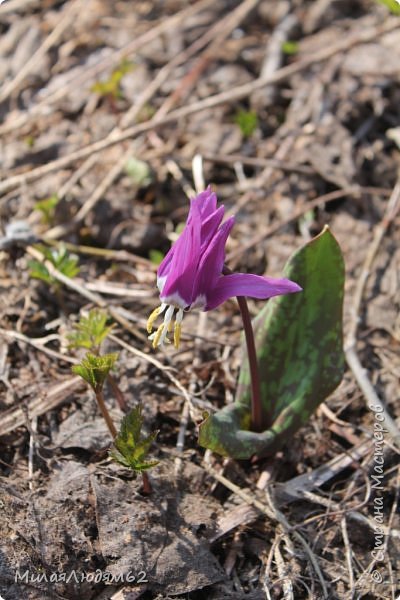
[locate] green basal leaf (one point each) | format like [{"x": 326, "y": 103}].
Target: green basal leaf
[
  {"x": 131, "y": 448},
  {"x": 94, "y": 369},
  {"x": 300, "y": 356},
  {"x": 90, "y": 331}
]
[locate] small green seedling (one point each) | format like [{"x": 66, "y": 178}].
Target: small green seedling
[
  {"x": 247, "y": 121},
  {"x": 290, "y": 47},
  {"x": 111, "y": 87},
  {"x": 47, "y": 207},
  {"x": 95, "y": 370},
  {"x": 131, "y": 447},
  {"x": 61, "y": 259},
  {"x": 90, "y": 331}
]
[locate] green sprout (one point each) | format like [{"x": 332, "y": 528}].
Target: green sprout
[
  {"x": 247, "y": 121},
  {"x": 290, "y": 47},
  {"x": 90, "y": 331},
  {"x": 111, "y": 87},
  {"x": 131, "y": 447},
  {"x": 94, "y": 369},
  {"x": 29, "y": 141},
  {"x": 47, "y": 207},
  {"x": 65, "y": 263}
]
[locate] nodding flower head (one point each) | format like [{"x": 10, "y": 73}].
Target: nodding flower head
[{"x": 190, "y": 276}]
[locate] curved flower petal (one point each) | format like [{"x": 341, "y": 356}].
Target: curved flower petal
[
  {"x": 246, "y": 284},
  {"x": 209, "y": 227},
  {"x": 206, "y": 202},
  {"x": 212, "y": 261},
  {"x": 165, "y": 265},
  {"x": 185, "y": 259}
]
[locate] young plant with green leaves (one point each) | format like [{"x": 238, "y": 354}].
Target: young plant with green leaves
[
  {"x": 132, "y": 448},
  {"x": 247, "y": 120},
  {"x": 90, "y": 331},
  {"x": 47, "y": 208},
  {"x": 95, "y": 370},
  {"x": 111, "y": 87},
  {"x": 296, "y": 359},
  {"x": 61, "y": 259}
]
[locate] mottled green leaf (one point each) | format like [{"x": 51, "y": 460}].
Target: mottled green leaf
[{"x": 300, "y": 356}]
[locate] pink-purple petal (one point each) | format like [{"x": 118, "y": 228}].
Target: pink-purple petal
[
  {"x": 209, "y": 226},
  {"x": 212, "y": 261},
  {"x": 205, "y": 202},
  {"x": 246, "y": 284},
  {"x": 185, "y": 259},
  {"x": 165, "y": 265}
]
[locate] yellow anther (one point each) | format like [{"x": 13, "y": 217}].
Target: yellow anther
[
  {"x": 158, "y": 335},
  {"x": 152, "y": 318},
  {"x": 177, "y": 334}
]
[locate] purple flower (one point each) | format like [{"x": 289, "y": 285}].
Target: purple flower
[{"x": 190, "y": 276}]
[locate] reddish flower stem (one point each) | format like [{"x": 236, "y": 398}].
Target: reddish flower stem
[
  {"x": 256, "y": 405},
  {"x": 105, "y": 413}
]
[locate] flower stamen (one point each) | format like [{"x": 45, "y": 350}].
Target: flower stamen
[
  {"x": 178, "y": 328},
  {"x": 156, "y": 312},
  {"x": 160, "y": 336}
]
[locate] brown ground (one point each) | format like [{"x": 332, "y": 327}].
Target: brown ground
[{"x": 328, "y": 124}]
